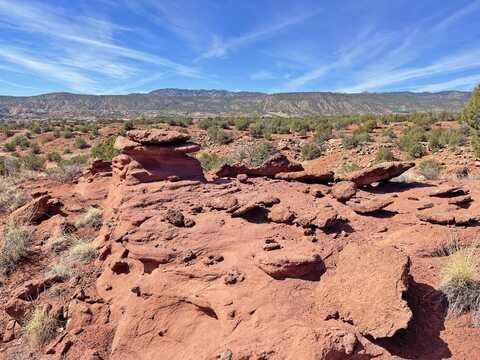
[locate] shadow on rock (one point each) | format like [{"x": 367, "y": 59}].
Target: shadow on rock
[
  {"x": 395, "y": 187},
  {"x": 421, "y": 340}
]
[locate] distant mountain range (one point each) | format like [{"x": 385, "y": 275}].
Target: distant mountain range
[{"x": 201, "y": 103}]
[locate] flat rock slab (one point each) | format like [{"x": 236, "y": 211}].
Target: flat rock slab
[
  {"x": 367, "y": 289},
  {"x": 157, "y": 137},
  {"x": 370, "y": 206},
  {"x": 278, "y": 163},
  {"x": 307, "y": 176},
  {"x": 285, "y": 264},
  {"x": 444, "y": 218},
  {"x": 378, "y": 173}
]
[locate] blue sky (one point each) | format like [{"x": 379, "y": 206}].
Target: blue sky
[{"x": 124, "y": 46}]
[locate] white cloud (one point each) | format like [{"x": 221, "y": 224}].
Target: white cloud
[
  {"x": 221, "y": 47},
  {"x": 457, "y": 15},
  {"x": 462, "y": 61},
  {"x": 462, "y": 83}
]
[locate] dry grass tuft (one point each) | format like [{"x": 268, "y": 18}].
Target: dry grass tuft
[
  {"x": 11, "y": 196},
  {"x": 83, "y": 252},
  {"x": 92, "y": 218},
  {"x": 16, "y": 238},
  {"x": 62, "y": 270},
  {"x": 41, "y": 327},
  {"x": 460, "y": 281}
]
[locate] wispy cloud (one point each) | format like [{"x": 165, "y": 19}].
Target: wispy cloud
[
  {"x": 458, "y": 62},
  {"x": 365, "y": 45},
  {"x": 221, "y": 47},
  {"x": 462, "y": 83},
  {"x": 74, "y": 79},
  {"x": 457, "y": 15}
]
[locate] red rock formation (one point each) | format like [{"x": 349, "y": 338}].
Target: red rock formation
[{"x": 154, "y": 155}]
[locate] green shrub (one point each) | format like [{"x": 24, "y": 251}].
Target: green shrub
[
  {"x": 9, "y": 147},
  {"x": 355, "y": 140},
  {"x": 33, "y": 162},
  {"x": 416, "y": 151},
  {"x": 105, "y": 150},
  {"x": 14, "y": 247},
  {"x": 384, "y": 155},
  {"x": 211, "y": 162},
  {"x": 430, "y": 169},
  {"x": 34, "y": 149},
  {"x": 261, "y": 153},
  {"x": 471, "y": 112},
  {"x": 41, "y": 327},
  {"x": 79, "y": 160},
  {"x": 242, "y": 124},
  {"x": 218, "y": 135},
  {"x": 67, "y": 134},
  {"x": 310, "y": 151},
  {"x": 80, "y": 143},
  {"x": 54, "y": 156},
  {"x": 9, "y": 165}
]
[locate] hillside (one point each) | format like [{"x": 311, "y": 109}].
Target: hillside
[{"x": 220, "y": 102}]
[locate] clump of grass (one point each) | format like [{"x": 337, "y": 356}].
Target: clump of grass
[
  {"x": 384, "y": 155},
  {"x": 65, "y": 174},
  {"x": 447, "y": 248},
  {"x": 311, "y": 151},
  {"x": 460, "y": 281},
  {"x": 211, "y": 162},
  {"x": 16, "y": 238},
  {"x": 62, "y": 270},
  {"x": 430, "y": 169},
  {"x": 59, "y": 242},
  {"x": 83, "y": 252},
  {"x": 41, "y": 327},
  {"x": 11, "y": 196},
  {"x": 92, "y": 218}
]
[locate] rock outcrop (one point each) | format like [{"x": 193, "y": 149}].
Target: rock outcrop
[
  {"x": 378, "y": 173},
  {"x": 154, "y": 155},
  {"x": 344, "y": 190},
  {"x": 367, "y": 289},
  {"x": 276, "y": 164},
  {"x": 307, "y": 176}
]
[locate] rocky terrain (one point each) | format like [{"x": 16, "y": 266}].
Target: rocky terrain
[
  {"x": 202, "y": 103},
  {"x": 279, "y": 260}
]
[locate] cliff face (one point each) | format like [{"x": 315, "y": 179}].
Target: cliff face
[{"x": 220, "y": 102}]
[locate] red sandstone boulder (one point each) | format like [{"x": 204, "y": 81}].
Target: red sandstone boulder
[
  {"x": 276, "y": 164},
  {"x": 367, "y": 290},
  {"x": 157, "y": 137},
  {"x": 366, "y": 207},
  {"x": 38, "y": 209},
  {"x": 378, "y": 173},
  {"x": 307, "y": 176},
  {"x": 344, "y": 190},
  {"x": 284, "y": 264}
]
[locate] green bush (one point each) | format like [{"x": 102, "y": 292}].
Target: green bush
[
  {"x": 471, "y": 111},
  {"x": 242, "y": 124},
  {"x": 384, "y": 155},
  {"x": 80, "y": 143},
  {"x": 67, "y": 134},
  {"x": 211, "y": 162},
  {"x": 261, "y": 153},
  {"x": 416, "y": 151},
  {"x": 33, "y": 162},
  {"x": 105, "y": 150},
  {"x": 430, "y": 169},
  {"x": 310, "y": 151},
  {"x": 219, "y": 136},
  {"x": 54, "y": 156},
  {"x": 356, "y": 139}
]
